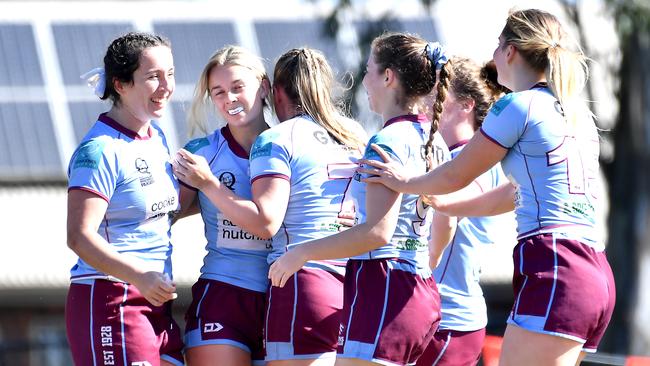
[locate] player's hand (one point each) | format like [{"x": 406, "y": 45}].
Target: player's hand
[
  {"x": 285, "y": 266},
  {"x": 192, "y": 169},
  {"x": 346, "y": 220},
  {"x": 156, "y": 287},
  {"x": 388, "y": 173}
]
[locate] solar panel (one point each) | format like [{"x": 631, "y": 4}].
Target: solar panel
[
  {"x": 275, "y": 38},
  {"x": 27, "y": 146},
  {"x": 82, "y": 46},
  {"x": 193, "y": 43},
  {"x": 84, "y": 115},
  {"x": 19, "y": 64}
]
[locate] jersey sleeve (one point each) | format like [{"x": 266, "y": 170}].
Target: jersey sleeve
[
  {"x": 199, "y": 147},
  {"x": 93, "y": 169},
  {"x": 270, "y": 156},
  {"x": 387, "y": 143},
  {"x": 506, "y": 121}
]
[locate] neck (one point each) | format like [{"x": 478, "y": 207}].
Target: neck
[
  {"x": 246, "y": 135},
  {"x": 526, "y": 79},
  {"x": 125, "y": 118},
  {"x": 395, "y": 111},
  {"x": 460, "y": 132}
]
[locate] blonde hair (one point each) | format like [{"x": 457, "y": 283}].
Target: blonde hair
[
  {"x": 201, "y": 102},
  {"x": 539, "y": 37},
  {"x": 307, "y": 79}
]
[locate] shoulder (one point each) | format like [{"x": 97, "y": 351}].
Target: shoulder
[
  {"x": 515, "y": 101},
  {"x": 91, "y": 151},
  {"x": 196, "y": 145}
]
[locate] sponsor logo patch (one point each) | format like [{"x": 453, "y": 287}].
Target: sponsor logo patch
[
  {"x": 196, "y": 144},
  {"x": 502, "y": 103},
  {"x": 89, "y": 154}
]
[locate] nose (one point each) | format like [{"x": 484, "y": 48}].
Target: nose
[
  {"x": 232, "y": 97},
  {"x": 168, "y": 82}
]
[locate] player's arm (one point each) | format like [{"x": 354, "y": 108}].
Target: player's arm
[
  {"x": 188, "y": 198},
  {"x": 471, "y": 202},
  {"x": 479, "y": 155},
  {"x": 85, "y": 213},
  {"x": 443, "y": 228},
  {"x": 258, "y": 216},
  {"x": 382, "y": 206}
]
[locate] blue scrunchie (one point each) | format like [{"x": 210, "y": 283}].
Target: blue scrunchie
[
  {"x": 96, "y": 79},
  {"x": 436, "y": 54}
]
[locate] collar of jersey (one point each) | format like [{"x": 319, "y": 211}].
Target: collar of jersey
[
  {"x": 415, "y": 118},
  {"x": 234, "y": 146},
  {"x": 118, "y": 127}
]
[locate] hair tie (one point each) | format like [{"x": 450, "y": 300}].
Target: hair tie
[
  {"x": 436, "y": 53},
  {"x": 96, "y": 79}
]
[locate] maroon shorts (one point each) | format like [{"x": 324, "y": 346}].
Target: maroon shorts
[
  {"x": 453, "y": 348},
  {"x": 111, "y": 323},
  {"x": 303, "y": 317},
  {"x": 390, "y": 313},
  {"x": 563, "y": 288},
  {"x": 226, "y": 314}
]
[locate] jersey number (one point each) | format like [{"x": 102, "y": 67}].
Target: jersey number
[
  {"x": 580, "y": 174},
  {"x": 343, "y": 171}
]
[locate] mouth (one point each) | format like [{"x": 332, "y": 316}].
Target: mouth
[
  {"x": 159, "y": 100},
  {"x": 235, "y": 111}
]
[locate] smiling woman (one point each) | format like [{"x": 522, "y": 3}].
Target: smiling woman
[{"x": 120, "y": 194}]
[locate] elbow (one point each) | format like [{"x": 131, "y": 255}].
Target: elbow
[
  {"x": 264, "y": 230},
  {"x": 378, "y": 236},
  {"x": 74, "y": 239}
]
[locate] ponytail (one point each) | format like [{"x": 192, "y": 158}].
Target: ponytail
[
  {"x": 546, "y": 47},
  {"x": 308, "y": 81}
]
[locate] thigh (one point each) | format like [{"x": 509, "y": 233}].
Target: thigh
[
  {"x": 227, "y": 356},
  {"x": 523, "y": 347}
]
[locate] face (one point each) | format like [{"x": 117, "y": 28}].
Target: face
[
  {"x": 452, "y": 111},
  {"x": 373, "y": 81},
  {"x": 451, "y": 108},
  {"x": 153, "y": 84},
  {"x": 500, "y": 62},
  {"x": 237, "y": 94}
]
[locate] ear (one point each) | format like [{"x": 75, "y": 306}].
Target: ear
[
  {"x": 510, "y": 53},
  {"x": 389, "y": 77},
  {"x": 118, "y": 86},
  {"x": 467, "y": 106},
  {"x": 265, "y": 85}
]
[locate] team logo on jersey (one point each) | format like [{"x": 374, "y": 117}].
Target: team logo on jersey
[
  {"x": 502, "y": 103},
  {"x": 143, "y": 168},
  {"x": 89, "y": 154},
  {"x": 227, "y": 179}
]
